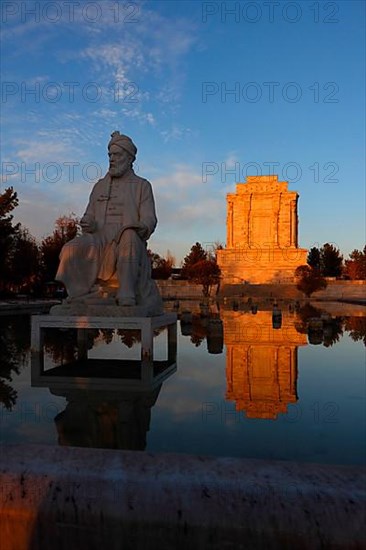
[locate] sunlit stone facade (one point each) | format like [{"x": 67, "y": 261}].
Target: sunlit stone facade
[{"x": 262, "y": 233}]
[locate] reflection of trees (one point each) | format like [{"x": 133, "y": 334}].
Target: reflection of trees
[
  {"x": 205, "y": 327},
  {"x": 14, "y": 346},
  {"x": 197, "y": 339},
  {"x": 62, "y": 345},
  {"x": 199, "y": 331},
  {"x": 333, "y": 330},
  {"x": 8, "y": 395},
  {"x": 107, "y": 335},
  {"x": 304, "y": 314},
  {"x": 129, "y": 337},
  {"x": 356, "y": 326}
]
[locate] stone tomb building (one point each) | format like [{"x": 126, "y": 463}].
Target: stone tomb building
[{"x": 262, "y": 233}]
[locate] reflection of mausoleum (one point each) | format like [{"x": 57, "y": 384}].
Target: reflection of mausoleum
[
  {"x": 262, "y": 233},
  {"x": 261, "y": 363}
]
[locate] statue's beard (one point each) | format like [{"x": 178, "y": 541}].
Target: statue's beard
[{"x": 119, "y": 169}]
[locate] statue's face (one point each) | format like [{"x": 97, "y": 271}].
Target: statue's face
[{"x": 119, "y": 161}]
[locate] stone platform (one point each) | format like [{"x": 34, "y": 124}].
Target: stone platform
[
  {"x": 260, "y": 265},
  {"x": 96, "y": 305},
  {"x": 146, "y": 325}
]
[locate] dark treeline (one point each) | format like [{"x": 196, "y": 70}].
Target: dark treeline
[
  {"x": 25, "y": 265},
  {"x": 330, "y": 263}
]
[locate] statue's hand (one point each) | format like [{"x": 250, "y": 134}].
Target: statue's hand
[{"x": 88, "y": 225}]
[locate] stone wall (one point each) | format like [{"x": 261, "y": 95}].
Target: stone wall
[
  {"x": 336, "y": 290},
  {"x": 179, "y": 289},
  {"x": 64, "y": 498}
]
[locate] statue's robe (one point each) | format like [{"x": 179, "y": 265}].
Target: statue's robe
[{"x": 123, "y": 210}]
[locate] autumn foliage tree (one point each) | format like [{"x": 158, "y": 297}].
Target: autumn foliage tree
[
  {"x": 355, "y": 267},
  {"x": 200, "y": 267},
  {"x": 205, "y": 273},
  {"x": 196, "y": 254},
  {"x": 66, "y": 228}
]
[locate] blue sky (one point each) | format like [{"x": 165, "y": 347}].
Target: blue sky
[{"x": 207, "y": 95}]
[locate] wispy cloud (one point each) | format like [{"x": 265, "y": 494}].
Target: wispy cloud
[
  {"x": 187, "y": 206},
  {"x": 41, "y": 150},
  {"x": 138, "y": 68},
  {"x": 175, "y": 133}
]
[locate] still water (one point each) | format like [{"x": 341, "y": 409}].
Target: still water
[{"x": 245, "y": 385}]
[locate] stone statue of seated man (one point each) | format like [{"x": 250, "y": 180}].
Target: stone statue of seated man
[{"x": 118, "y": 220}]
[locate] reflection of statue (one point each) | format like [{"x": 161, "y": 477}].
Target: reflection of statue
[
  {"x": 106, "y": 420},
  {"x": 119, "y": 219}
]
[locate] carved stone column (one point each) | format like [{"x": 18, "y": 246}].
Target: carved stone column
[
  {"x": 229, "y": 224},
  {"x": 294, "y": 223}
]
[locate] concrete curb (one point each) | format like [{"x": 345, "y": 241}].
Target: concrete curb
[
  {"x": 13, "y": 307},
  {"x": 67, "y": 497}
]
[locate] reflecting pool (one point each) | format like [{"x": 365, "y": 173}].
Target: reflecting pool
[{"x": 247, "y": 383}]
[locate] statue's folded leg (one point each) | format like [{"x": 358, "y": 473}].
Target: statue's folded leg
[
  {"x": 79, "y": 261},
  {"x": 129, "y": 251}
]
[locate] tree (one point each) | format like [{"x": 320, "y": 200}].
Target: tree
[
  {"x": 331, "y": 261},
  {"x": 200, "y": 267},
  {"x": 8, "y": 231},
  {"x": 161, "y": 267},
  {"x": 313, "y": 258},
  {"x": 154, "y": 258},
  {"x": 25, "y": 261},
  {"x": 309, "y": 280},
  {"x": 196, "y": 254},
  {"x": 355, "y": 268},
  {"x": 206, "y": 273},
  {"x": 66, "y": 228}
]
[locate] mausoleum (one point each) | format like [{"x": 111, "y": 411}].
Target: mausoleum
[{"x": 262, "y": 233}]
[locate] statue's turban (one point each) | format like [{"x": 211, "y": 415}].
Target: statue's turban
[{"x": 124, "y": 142}]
